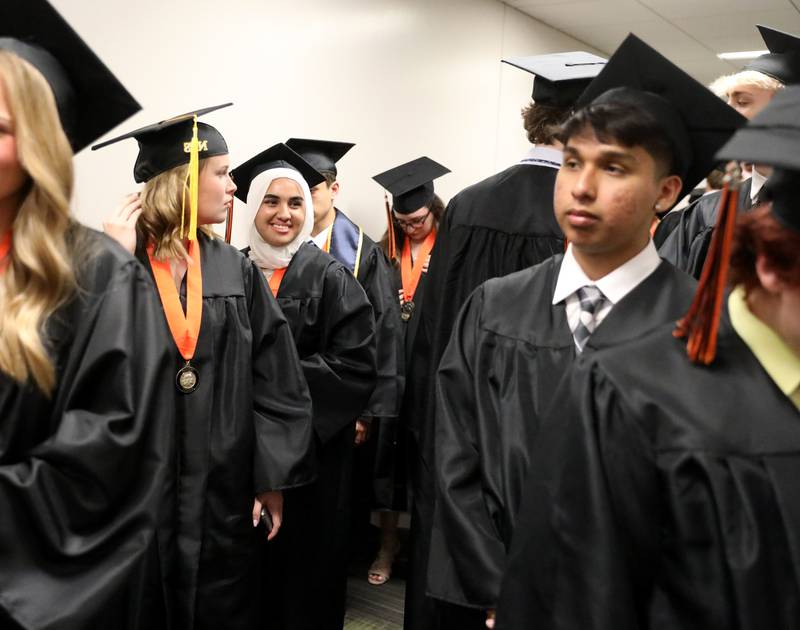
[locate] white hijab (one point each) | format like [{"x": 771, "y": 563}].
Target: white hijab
[{"x": 266, "y": 256}]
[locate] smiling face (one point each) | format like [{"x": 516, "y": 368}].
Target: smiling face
[
  {"x": 216, "y": 190},
  {"x": 605, "y": 196},
  {"x": 12, "y": 175},
  {"x": 282, "y": 212}
]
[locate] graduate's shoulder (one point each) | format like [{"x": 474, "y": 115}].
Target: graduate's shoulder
[
  {"x": 100, "y": 261},
  {"x": 539, "y": 277},
  {"x": 320, "y": 268},
  {"x": 226, "y": 270},
  {"x": 518, "y": 200},
  {"x": 514, "y": 305}
]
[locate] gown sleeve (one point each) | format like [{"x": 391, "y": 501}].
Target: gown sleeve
[
  {"x": 587, "y": 536},
  {"x": 281, "y": 400},
  {"x": 78, "y": 509},
  {"x": 378, "y": 283},
  {"x": 466, "y": 506},
  {"x": 342, "y": 375}
]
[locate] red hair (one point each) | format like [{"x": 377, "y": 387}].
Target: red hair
[{"x": 759, "y": 233}]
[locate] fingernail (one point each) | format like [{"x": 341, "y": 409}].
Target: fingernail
[{"x": 255, "y": 522}]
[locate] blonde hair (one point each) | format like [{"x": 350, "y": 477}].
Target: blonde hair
[
  {"x": 162, "y": 204},
  {"x": 728, "y": 83},
  {"x": 39, "y": 277}
]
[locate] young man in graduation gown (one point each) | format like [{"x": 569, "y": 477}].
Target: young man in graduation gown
[
  {"x": 336, "y": 234},
  {"x": 83, "y": 431},
  {"x": 495, "y": 227},
  {"x": 305, "y": 570},
  {"x": 646, "y": 132},
  {"x": 664, "y": 492},
  {"x": 685, "y": 240}
]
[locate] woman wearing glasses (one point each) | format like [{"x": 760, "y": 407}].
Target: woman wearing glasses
[{"x": 416, "y": 212}]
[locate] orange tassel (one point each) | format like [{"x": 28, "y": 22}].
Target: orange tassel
[
  {"x": 701, "y": 323},
  {"x": 390, "y": 220}
]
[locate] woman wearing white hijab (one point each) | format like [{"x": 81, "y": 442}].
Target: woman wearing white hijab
[{"x": 334, "y": 329}]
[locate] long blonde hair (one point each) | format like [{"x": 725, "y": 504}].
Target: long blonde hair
[
  {"x": 164, "y": 198},
  {"x": 39, "y": 277}
]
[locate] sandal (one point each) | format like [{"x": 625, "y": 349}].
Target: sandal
[{"x": 381, "y": 569}]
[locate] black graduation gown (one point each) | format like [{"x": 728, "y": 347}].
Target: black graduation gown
[
  {"x": 665, "y": 495},
  {"x": 81, "y": 470},
  {"x": 495, "y": 227},
  {"x": 685, "y": 242},
  {"x": 367, "y": 261},
  {"x": 390, "y": 486},
  {"x": 509, "y": 349},
  {"x": 334, "y": 330},
  {"x": 245, "y": 430}
]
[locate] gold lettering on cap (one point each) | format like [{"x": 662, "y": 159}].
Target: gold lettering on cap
[{"x": 202, "y": 145}]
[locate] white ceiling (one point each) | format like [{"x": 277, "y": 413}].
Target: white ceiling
[{"x": 689, "y": 32}]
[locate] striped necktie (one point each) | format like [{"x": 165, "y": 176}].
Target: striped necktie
[{"x": 591, "y": 299}]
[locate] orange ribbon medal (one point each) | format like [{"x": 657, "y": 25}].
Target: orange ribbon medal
[
  {"x": 5, "y": 247},
  {"x": 410, "y": 276},
  {"x": 275, "y": 280},
  {"x": 185, "y": 329}
]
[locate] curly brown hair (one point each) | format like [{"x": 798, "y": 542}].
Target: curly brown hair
[{"x": 541, "y": 122}]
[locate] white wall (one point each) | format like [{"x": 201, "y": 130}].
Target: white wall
[{"x": 401, "y": 78}]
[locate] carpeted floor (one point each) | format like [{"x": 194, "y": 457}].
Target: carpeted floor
[{"x": 374, "y": 607}]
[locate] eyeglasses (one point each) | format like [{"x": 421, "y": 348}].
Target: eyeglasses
[{"x": 411, "y": 224}]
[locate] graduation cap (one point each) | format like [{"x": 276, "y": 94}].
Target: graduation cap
[
  {"x": 90, "y": 99},
  {"x": 695, "y": 120},
  {"x": 560, "y": 77},
  {"x": 783, "y": 60},
  {"x": 321, "y": 154},
  {"x": 166, "y": 144},
  {"x": 277, "y": 156},
  {"x": 773, "y": 138},
  {"x": 411, "y": 184}
]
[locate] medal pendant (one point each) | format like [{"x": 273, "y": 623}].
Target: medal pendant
[
  {"x": 406, "y": 310},
  {"x": 187, "y": 378}
]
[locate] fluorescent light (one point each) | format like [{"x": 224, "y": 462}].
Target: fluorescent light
[{"x": 743, "y": 54}]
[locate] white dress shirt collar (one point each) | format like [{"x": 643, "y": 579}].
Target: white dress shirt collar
[
  {"x": 615, "y": 285},
  {"x": 543, "y": 156}
]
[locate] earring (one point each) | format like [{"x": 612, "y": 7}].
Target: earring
[{"x": 658, "y": 206}]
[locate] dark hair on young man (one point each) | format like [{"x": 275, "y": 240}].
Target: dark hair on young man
[
  {"x": 624, "y": 124},
  {"x": 759, "y": 233},
  {"x": 329, "y": 176},
  {"x": 542, "y": 122},
  {"x": 437, "y": 209}
]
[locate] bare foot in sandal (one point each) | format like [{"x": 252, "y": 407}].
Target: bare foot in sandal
[{"x": 381, "y": 569}]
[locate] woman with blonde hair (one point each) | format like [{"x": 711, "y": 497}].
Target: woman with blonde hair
[
  {"x": 243, "y": 426},
  {"x": 82, "y": 427}
]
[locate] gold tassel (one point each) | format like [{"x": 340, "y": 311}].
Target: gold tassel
[{"x": 193, "y": 180}]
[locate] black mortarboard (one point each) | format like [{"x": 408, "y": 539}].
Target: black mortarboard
[
  {"x": 695, "y": 120},
  {"x": 91, "y": 101},
  {"x": 321, "y": 154},
  {"x": 773, "y": 138},
  {"x": 411, "y": 184},
  {"x": 277, "y": 156},
  {"x": 165, "y": 145},
  {"x": 783, "y": 60},
  {"x": 560, "y": 77}
]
